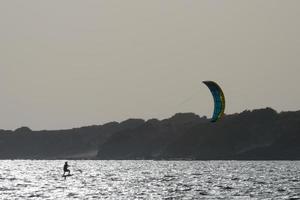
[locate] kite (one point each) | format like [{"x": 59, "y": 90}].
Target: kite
[{"x": 219, "y": 100}]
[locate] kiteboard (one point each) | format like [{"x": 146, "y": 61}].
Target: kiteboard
[{"x": 66, "y": 175}]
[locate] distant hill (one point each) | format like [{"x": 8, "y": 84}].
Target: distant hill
[
  {"x": 77, "y": 143},
  {"x": 261, "y": 134}
]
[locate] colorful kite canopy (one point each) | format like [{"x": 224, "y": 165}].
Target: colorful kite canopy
[{"x": 219, "y": 100}]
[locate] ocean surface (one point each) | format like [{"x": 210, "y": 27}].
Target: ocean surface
[{"x": 26, "y": 179}]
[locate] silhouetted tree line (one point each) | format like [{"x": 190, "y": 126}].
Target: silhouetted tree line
[{"x": 261, "y": 134}]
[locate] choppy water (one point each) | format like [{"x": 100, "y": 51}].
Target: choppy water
[{"x": 23, "y": 179}]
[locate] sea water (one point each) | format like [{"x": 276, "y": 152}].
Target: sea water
[{"x": 27, "y": 179}]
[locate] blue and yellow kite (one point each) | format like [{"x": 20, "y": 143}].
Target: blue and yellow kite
[{"x": 219, "y": 100}]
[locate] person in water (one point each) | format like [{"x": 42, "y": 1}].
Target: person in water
[{"x": 66, "y": 168}]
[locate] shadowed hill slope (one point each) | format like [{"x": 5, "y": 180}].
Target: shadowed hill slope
[
  {"x": 259, "y": 134},
  {"x": 77, "y": 143}
]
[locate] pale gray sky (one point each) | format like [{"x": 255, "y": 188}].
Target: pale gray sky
[{"x": 66, "y": 64}]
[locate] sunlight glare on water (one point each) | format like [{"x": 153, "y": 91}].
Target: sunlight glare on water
[{"x": 26, "y": 179}]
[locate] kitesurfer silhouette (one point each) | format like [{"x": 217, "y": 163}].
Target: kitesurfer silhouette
[{"x": 66, "y": 168}]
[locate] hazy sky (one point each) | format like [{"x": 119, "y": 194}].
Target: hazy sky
[{"x": 66, "y": 64}]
